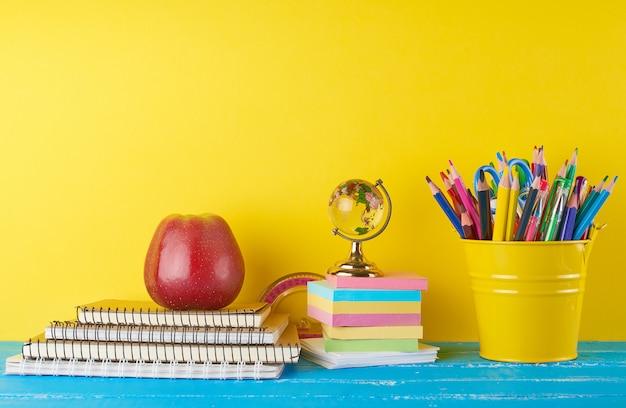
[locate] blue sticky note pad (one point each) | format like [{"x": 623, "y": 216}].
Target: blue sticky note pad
[{"x": 326, "y": 290}]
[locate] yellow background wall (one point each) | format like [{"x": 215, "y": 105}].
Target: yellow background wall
[{"x": 115, "y": 114}]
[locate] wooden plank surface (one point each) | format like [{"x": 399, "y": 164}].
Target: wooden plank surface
[{"x": 460, "y": 378}]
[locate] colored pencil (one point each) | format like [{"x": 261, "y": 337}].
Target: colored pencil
[
  {"x": 511, "y": 218},
  {"x": 445, "y": 205},
  {"x": 571, "y": 167},
  {"x": 569, "y": 220},
  {"x": 534, "y": 160},
  {"x": 540, "y": 205},
  {"x": 450, "y": 190},
  {"x": 587, "y": 219},
  {"x": 484, "y": 207},
  {"x": 544, "y": 164},
  {"x": 468, "y": 226},
  {"x": 588, "y": 202},
  {"x": 528, "y": 209},
  {"x": 502, "y": 207},
  {"x": 465, "y": 199}
]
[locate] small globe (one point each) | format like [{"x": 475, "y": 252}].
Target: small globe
[{"x": 357, "y": 209}]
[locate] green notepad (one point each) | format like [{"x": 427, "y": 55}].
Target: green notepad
[{"x": 334, "y": 345}]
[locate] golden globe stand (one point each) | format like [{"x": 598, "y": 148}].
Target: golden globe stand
[{"x": 357, "y": 264}]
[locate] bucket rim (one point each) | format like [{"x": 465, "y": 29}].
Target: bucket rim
[{"x": 525, "y": 243}]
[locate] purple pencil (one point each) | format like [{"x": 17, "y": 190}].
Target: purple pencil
[{"x": 569, "y": 219}]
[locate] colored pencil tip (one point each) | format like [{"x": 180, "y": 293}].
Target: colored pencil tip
[{"x": 427, "y": 179}]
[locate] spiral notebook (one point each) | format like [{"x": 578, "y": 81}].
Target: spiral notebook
[
  {"x": 129, "y": 312},
  {"x": 18, "y": 365},
  {"x": 285, "y": 350},
  {"x": 268, "y": 333}
]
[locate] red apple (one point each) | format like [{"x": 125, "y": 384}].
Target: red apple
[{"x": 193, "y": 262}]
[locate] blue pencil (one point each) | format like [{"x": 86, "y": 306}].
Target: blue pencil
[
  {"x": 445, "y": 205},
  {"x": 591, "y": 197},
  {"x": 588, "y": 217}
]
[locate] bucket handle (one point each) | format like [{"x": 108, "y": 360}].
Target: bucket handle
[{"x": 593, "y": 233}]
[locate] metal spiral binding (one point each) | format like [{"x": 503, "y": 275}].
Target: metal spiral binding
[{"x": 165, "y": 317}]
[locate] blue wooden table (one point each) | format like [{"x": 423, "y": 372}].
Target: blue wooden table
[{"x": 460, "y": 378}]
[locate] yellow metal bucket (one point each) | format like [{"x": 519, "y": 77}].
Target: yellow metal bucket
[{"x": 528, "y": 297}]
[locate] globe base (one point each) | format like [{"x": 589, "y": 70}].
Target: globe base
[
  {"x": 348, "y": 270},
  {"x": 356, "y": 265}
]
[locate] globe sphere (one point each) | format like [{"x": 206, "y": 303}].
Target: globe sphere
[{"x": 357, "y": 209}]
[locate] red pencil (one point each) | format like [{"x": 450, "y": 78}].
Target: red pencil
[
  {"x": 463, "y": 194},
  {"x": 450, "y": 190}
]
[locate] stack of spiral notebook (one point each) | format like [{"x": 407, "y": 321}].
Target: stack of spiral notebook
[{"x": 113, "y": 338}]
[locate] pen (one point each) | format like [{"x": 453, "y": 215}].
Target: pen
[
  {"x": 465, "y": 199},
  {"x": 587, "y": 219},
  {"x": 484, "y": 207},
  {"x": 581, "y": 184},
  {"x": 445, "y": 205},
  {"x": 528, "y": 208},
  {"x": 511, "y": 217},
  {"x": 555, "y": 209},
  {"x": 558, "y": 181}
]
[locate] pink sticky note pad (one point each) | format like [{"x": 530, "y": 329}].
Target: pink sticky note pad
[{"x": 397, "y": 280}]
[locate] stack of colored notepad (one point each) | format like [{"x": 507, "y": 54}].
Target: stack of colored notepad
[
  {"x": 368, "y": 321},
  {"x": 113, "y": 338}
]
